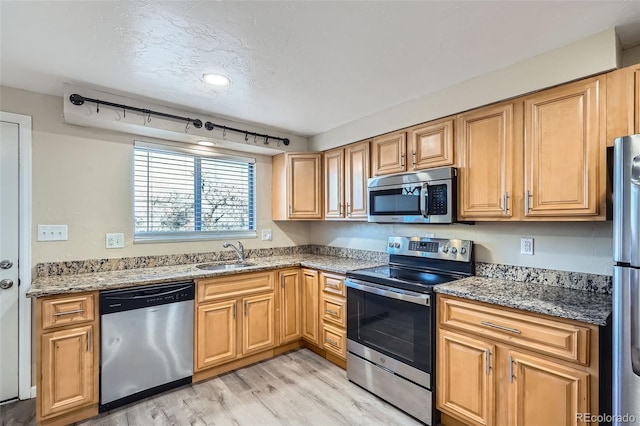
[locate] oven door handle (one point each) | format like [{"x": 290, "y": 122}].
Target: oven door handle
[{"x": 380, "y": 290}]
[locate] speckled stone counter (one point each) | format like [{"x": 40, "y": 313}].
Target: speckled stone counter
[
  {"x": 579, "y": 305},
  {"x": 62, "y": 284}
]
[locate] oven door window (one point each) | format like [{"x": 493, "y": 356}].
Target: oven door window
[
  {"x": 399, "y": 329},
  {"x": 396, "y": 201}
]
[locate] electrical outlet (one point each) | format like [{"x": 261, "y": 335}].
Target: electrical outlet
[
  {"x": 526, "y": 246},
  {"x": 114, "y": 241},
  {"x": 267, "y": 235},
  {"x": 53, "y": 233}
]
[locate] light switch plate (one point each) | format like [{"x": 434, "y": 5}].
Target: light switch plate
[
  {"x": 114, "y": 240},
  {"x": 526, "y": 246},
  {"x": 53, "y": 232},
  {"x": 267, "y": 235}
]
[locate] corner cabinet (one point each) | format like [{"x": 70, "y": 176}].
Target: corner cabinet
[
  {"x": 289, "y": 306},
  {"x": 296, "y": 186},
  {"x": 504, "y": 366},
  {"x": 346, "y": 171},
  {"x": 67, "y": 337}
]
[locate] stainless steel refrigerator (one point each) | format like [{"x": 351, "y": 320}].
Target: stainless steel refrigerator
[{"x": 626, "y": 279}]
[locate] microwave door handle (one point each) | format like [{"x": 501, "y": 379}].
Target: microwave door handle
[{"x": 424, "y": 200}]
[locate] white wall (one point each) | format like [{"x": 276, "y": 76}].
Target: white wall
[
  {"x": 579, "y": 247},
  {"x": 82, "y": 177},
  {"x": 589, "y": 56},
  {"x": 631, "y": 56}
]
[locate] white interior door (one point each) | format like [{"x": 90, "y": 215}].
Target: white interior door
[{"x": 9, "y": 238}]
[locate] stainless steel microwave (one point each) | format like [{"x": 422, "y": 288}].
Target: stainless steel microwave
[{"x": 420, "y": 197}]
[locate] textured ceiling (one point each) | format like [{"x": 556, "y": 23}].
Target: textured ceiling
[{"x": 305, "y": 67}]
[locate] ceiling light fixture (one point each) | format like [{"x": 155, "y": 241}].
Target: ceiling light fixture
[
  {"x": 216, "y": 79},
  {"x": 206, "y": 143}
]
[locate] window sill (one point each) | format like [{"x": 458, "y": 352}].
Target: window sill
[{"x": 152, "y": 238}]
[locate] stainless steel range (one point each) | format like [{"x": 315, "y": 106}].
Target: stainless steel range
[{"x": 391, "y": 320}]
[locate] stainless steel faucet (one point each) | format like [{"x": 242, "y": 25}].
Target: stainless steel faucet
[{"x": 239, "y": 250}]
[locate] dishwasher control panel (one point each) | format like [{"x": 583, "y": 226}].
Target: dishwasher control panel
[{"x": 142, "y": 297}]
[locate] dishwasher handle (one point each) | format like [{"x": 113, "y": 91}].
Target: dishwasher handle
[{"x": 144, "y": 297}]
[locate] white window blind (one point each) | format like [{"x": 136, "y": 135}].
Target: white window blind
[{"x": 179, "y": 195}]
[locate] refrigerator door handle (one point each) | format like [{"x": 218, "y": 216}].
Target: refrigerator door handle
[
  {"x": 634, "y": 217},
  {"x": 634, "y": 321}
]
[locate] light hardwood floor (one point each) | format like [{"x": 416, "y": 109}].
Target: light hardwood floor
[{"x": 297, "y": 388}]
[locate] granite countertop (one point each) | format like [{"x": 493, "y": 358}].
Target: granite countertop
[
  {"x": 63, "y": 284},
  {"x": 579, "y": 305}
]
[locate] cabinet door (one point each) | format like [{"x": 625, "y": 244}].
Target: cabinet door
[
  {"x": 216, "y": 336},
  {"x": 257, "y": 323},
  {"x": 356, "y": 175},
  {"x": 389, "y": 153},
  {"x": 334, "y": 184},
  {"x": 432, "y": 145},
  {"x": 67, "y": 370},
  {"x": 304, "y": 186},
  {"x": 465, "y": 388},
  {"x": 310, "y": 317},
  {"x": 290, "y": 316},
  {"x": 485, "y": 149},
  {"x": 564, "y": 150},
  {"x": 543, "y": 392}
]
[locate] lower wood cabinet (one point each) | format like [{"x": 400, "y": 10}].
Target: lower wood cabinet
[
  {"x": 289, "y": 309},
  {"x": 310, "y": 305},
  {"x": 67, "y": 363},
  {"x": 333, "y": 314},
  {"x": 506, "y": 377},
  {"x": 229, "y": 326}
]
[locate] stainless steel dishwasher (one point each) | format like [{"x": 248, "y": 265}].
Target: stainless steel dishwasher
[{"x": 146, "y": 341}]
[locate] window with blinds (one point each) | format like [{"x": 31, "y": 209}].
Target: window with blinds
[{"x": 181, "y": 195}]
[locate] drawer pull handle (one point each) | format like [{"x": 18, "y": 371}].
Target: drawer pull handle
[
  {"x": 333, "y": 285},
  {"x": 329, "y": 311},
  {"x": 77, "y": 311},
  {"x": 512, "y": 330},
  {"x": 331, "y": 342},
  {"x": 89, "y": 336}
]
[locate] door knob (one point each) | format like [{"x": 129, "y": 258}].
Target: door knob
[
  {"x": 5, "y": 284},
  {"x": 6, "y": 264}
]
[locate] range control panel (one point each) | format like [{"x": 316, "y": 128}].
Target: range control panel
[{"x": 434, "y": 248}]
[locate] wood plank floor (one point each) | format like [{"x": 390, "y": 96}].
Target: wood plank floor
[{"x": 298, "y": 388}]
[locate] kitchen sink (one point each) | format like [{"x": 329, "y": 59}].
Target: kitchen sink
[{"x": 223, "y": 266}]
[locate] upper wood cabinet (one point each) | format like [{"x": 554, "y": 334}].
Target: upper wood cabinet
[
  {"x": 346, "y": 171},
  {"x": 432, "y": 144},
  {"x": 486, "y": 140},
  {"x": 635, "y": 72},
  {"x": 389, "y": 153},
  {"x": 623, "y": 103},
  {"x": 564, "y": 151},
  {"x": 296, "y": 186}
]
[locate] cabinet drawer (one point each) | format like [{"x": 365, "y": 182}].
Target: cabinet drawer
[
  {"x": 217, "y": 288},
  {"x": 332, "y": 283},
  {"x": 334, "y": 340},
  {"x": 59, "y": 311},
  {"x": 548, "y": 336},
  {"x": 334, "y": 310}
]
